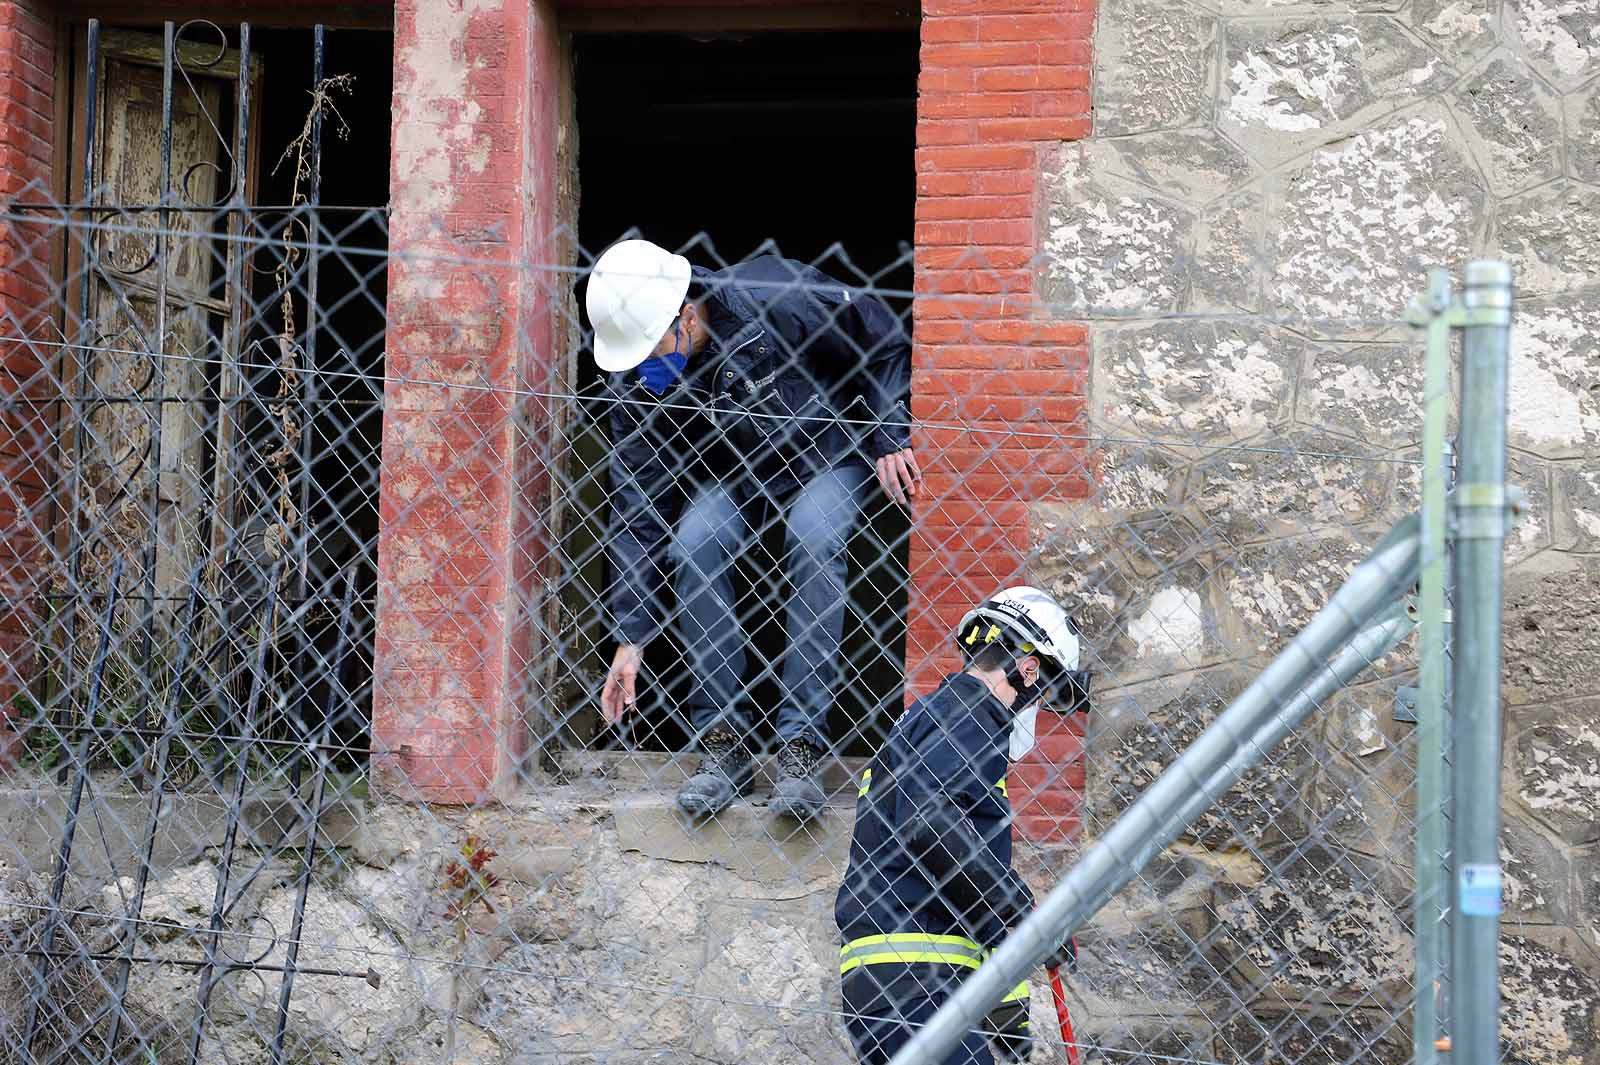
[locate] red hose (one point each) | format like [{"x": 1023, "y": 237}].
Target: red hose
[{"x": 1059, "y": 993}]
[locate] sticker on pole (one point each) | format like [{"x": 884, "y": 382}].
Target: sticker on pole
[{"x": 1480, "y": 890}]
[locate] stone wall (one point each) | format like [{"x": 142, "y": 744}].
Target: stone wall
[
  {"x": 1265, "y": 188},
  {"x": 618, "y": 934}
]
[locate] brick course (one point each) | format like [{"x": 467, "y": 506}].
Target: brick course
[{"x": 999, "y": 79}]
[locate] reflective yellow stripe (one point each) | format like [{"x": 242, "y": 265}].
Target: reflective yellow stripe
[
  {"x": 909, "y": 956},
  {"x": 866, "y": 781},
  {"x": 908, "y": 947},
  {"x": 1020, "y": 994},
  {"x": 1001, "y": 784}
]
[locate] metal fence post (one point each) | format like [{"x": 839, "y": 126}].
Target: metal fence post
[
  {"x": 1431, "y": 892},
  {"x": 1482, "y": 508}
]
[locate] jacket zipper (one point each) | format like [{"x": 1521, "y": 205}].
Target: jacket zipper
[{"x": 757, "y": 336}]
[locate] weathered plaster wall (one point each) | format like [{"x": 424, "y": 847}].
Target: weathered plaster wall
[
  {"x": 27, "y": 152},
  {"x": 473, "y": 147},
  {"x": 1266, "y": 186}
]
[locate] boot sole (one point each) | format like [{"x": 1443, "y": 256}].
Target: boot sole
[
  {"x": 793, "y": 814},
  {"x": 698, "y": 808},
  {"x": 798, "y": 809}
]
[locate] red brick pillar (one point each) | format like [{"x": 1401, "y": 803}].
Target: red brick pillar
[
  {"x": 1002, "y": 81},
  {"x": 27, "y": 139},
  {"x": 468, "y": 325}
]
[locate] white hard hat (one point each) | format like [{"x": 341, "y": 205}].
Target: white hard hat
[
  {"x": 635, "y": 291},
  {"x": 1029, "y": 619}
]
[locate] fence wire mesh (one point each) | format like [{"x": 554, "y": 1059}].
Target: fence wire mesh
[{"x": 316, "y": 567}]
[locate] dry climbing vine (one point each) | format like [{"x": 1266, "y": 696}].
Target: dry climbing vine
[{"x": 290, "y": 354}]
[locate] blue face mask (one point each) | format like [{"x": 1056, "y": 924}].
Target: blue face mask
[{"x": 659, "y": 371}]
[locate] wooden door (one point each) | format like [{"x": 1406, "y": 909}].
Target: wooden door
[{"x": 161, "y": 298}]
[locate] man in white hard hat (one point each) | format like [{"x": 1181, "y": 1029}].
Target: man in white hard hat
[
  {"x": 931, "y": 889},
  {"x": 763, "y": 391}
]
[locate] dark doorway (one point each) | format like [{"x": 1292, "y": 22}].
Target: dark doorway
[
  {"x": 336, "y": 486},
  {"x": 724, "y": 146}
]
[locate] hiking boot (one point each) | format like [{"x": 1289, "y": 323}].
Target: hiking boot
[
  {"x": 725, "y": 771},
  {"x": 798, "y": 793}
]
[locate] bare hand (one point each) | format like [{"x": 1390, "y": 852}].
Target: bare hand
[
  {"x": 898, "y": 475},
  {"x": 622, "y": 682}
]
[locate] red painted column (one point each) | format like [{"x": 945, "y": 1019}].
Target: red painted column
[
  {"x": 27, "y": 140},
  {"x": 994, "y": 379},
  {"x": 469, "y": 323}
]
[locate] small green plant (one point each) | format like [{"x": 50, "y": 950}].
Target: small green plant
[
  {"x": 466, "y": 883},
  {"x": 469, "y": 881}
]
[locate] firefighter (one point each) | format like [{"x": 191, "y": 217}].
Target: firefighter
[
  {"x": 930, "y": 887},
  {"x": 762, "y": 392}
]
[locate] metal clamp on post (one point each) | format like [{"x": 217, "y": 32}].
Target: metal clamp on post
[{"x": 1486, "y": 511}]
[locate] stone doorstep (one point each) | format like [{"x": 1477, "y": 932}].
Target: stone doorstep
[
  {"x": 646, "y": 770},
  {"x": 192, "y": 823},
  {"x": 747, "y": 840}
]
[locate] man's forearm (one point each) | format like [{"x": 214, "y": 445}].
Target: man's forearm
[
  {"x": 637, "y": 609},
  {"x": 890, "y": 385}
]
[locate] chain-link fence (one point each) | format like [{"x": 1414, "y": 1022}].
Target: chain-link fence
[{"x": 318, "y": 560}]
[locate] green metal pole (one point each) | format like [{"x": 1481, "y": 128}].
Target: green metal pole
[
  {"x": 1482, "y": 512},
  {"x": 1431, "y": 890},
  {"x": 1446, "y": 866}
]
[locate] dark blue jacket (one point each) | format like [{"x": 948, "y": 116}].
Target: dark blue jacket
[
  {"x": 801, "y": 374},
  {"x": 932, "y": 846}
]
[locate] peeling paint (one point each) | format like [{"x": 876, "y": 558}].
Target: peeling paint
[
  {"x": 437, "y": 118},
  {"x": 1155, "y": 65},
  {"x": 1551, "y": 404},
  {"x": 1373, "y": 392},
  {"x": 1107, "y": 251},
  {"x": 1171, "y": 625},
  {"x": 1516, "y": 122},
  {"x": 1546, "y": 234},
  {"x": 1563, "y": 32},
  {"x": 1315, "y": 928},
  {"x": 1297, "y": 85},
  {"x": 1364, "y": 220},
  {"x": 1566, "y": 775},
  {"x": 1546, "y": 1003},
  {"x": 1459, "y": 19},
  {"x": 1200, "y": 380}
]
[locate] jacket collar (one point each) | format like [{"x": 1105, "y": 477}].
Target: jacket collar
[{"x": 976, "y": 695}]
